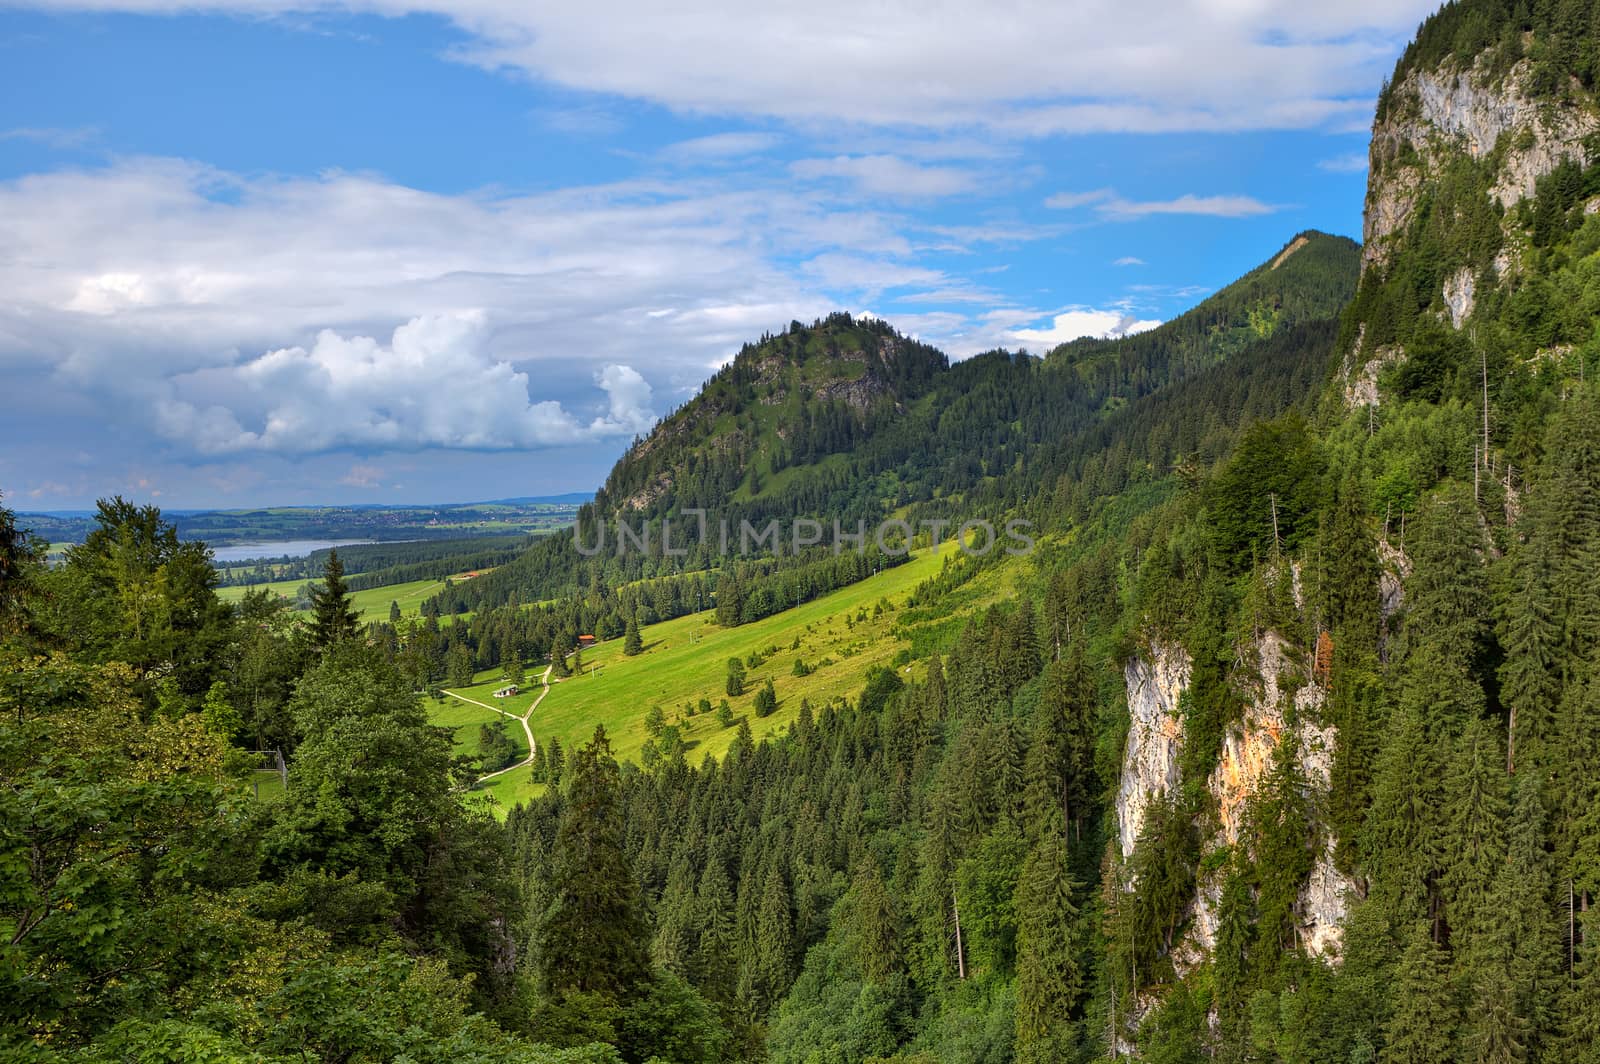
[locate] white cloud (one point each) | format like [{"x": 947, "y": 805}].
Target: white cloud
[
  {"x": 1112, "y": 207},
  {"x": 630, "y": 408},
  {"x": 52, "y": 137},
  {"x": 1066, "y": 201},
  {"x": 1033, "y": 67},
  {"x": 1129, "y": 260},
  {"x": 1353, "y": 163},
  {"x": 888, "y": 176},
  {"x": 432, "y": 385},
  {"x": 1079, "y": 322},
  {"x": 362, "y": 475},
  {"x": 720, "y": 147},
  {"x": 252, "y": 315}
]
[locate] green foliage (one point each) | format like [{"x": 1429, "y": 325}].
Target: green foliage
[
  {"x": 593, "y": 930},
  {"x": 333, "y": 619}
]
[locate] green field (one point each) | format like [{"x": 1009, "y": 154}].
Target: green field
[
  {"x": 685, "y": 659},
  {"x": 372, "y": 604},
  {"x": 465, "y": 719}
]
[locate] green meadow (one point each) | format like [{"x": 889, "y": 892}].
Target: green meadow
[
  {"x": 372, "y": 604},
  {"x": 838, "y": 637}
]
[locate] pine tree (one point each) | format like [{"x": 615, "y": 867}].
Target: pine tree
[
  {"x": 1231, "y": 961},
  {"x": 1280, "y": 825},
  {"x": 1049, "y": 983},
  {"x": 1520, "y": 931},
  {"x": 1350, "y": 570},
  {"x": 1496, "y": 1034},
  {"x": 632, "y": 642},
  {"x": 774, "y": 941},
  {"x": 766, "y": 701},
  {"x": 1422, "y": 1028},
  {"x": 1448, "y": 587},
  {"x": 877, "y": 926},
  {"x": 333, "y": 618},
  {"x": 1473, "y": 841},
  {"x": 1400, "y": 836},
  {"x": 1577, "y": 1038},
  {"x": 594, "y": 933},
  {"x": 1531, "y": 637}
]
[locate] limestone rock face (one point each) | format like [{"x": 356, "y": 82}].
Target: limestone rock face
[
  {"x": 1438, "y": 114},
  {"x": 1279, "y": 700},
  {"x": 1156, "y": 680},
  {"x": 1432, "y": 120},
  {"x": 1458, "y": 295}
]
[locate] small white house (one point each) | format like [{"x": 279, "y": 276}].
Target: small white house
[{"x": 507, "y": 691}]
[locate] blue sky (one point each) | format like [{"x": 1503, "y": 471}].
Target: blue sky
[{"x": 273, "y": 251}]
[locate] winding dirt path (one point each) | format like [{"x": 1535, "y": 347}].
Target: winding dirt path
[{"x": 527, "y": 729}]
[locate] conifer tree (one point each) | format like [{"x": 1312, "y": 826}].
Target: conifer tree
[
  {"x": 1231, "y": 960},
  {"x": 632, "y": 642},
  {"x": 1473, "y": 841},
  {"x": 1422, "y": 1027},
  {"x": 1400, "y": 836},
  {"x": 333, "y": 618},
  {"x": 1448, "y": 588},
  {"x": 715, "y": 965},
  {"x": 774, "y": 940},
  {"x": 1529, "y": 679},
  {"x": 1349, "y": 564},
  {"x": 1520, "y": 934},
  {"x": 594, "y": 932},
  {"x": 877, "y": 926},
  {"x": 1577, "y": 1037},
  {"x": 1049, "y": 983}
]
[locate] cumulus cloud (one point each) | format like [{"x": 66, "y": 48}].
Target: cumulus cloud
[
  {"x": 1034, "y": 67},
  {"x": 1079, "y": 322},
  {"x": 1112, "y": 207},
  {"x": 266, "y": 314},
  {"x": 431, "y": 385}
]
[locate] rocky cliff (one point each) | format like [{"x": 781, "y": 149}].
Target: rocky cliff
[
  {"x": 1457, "y": 149},
  {"x": 1277, "y": 698}
]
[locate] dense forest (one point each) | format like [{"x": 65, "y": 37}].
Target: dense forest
[{"x": 1284, "y": 746}]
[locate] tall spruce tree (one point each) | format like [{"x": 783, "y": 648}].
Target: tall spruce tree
[
  {"x": 1422, "y": 1029},
  {"x": 1473, "y": 841},
  {"x": 333, "y": 618},
  {"x": 594, "y": 932},
  {"x": 1049, "y": 983}
]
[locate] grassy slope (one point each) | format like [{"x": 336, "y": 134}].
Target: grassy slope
[
  {"x": 464, "y": 718},
  {"x": 372, "y": 604},
  {"x": 686, "y": 659}
]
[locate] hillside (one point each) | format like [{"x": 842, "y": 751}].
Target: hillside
[
  {"x": 1283, "y": 746},
  {"x": 849, "y": 420}
]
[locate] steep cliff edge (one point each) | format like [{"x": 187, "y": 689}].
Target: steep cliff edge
[
  {"x": 1277, "y": 698},
  {"x": 1477, "y": 160}
]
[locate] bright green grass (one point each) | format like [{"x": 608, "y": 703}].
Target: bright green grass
[
  {"x": 372, "y": 604},
  {"x": 282, "y": 588},
  {"x": 686, "y": 659},
  {"x": 464, "y": 719},
  {"x": 267, "y": 785},
  {"x": 508, "y": 788}
]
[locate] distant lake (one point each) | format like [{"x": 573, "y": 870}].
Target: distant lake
[{"x": 284, "y": 548}]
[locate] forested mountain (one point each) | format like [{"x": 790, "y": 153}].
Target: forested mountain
[
  {"x": 1285, "y": 745},
  {"x": 847, "y": 420}
]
